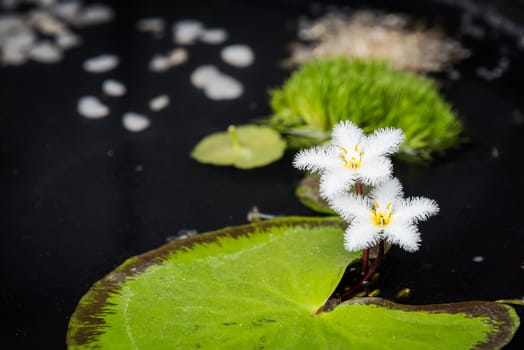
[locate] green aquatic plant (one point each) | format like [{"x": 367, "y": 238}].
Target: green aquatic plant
[
  {"x": 370, "y": 94},
  {"x": 279, "y": 284},
  {"x": 244, "y": 147},
  {"x": 265, "y": 286}
]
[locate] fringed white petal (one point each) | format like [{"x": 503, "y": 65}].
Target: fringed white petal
[
  {"x": 403, "y": 234},
  {"x": 350, "y": 206},
  {"x": 375, "y": 170},
  {"x": 360, "y": 235},
  {"x": 346, "y": 134},
  {"x": 336, "y": 181},
  {"x": 316, "y": 158},
  {"x": 383, "y": 142},
  {"x": 389, "y": 190},
  {"x": 416, "y": 209}
]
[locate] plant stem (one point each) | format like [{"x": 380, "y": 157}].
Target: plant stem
[
  {"x": 365, "y": 252},
  {"x": 232, "y": 130},
  {"x": 333, "y": 302},
  {"x": 358, "y": 188},
  {"x": 365, "y": 261},
  {"x": 365, "y": 280}
]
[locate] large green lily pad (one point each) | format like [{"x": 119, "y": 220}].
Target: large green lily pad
[
  {"x": 245, "y": 147},
  {"x": 259, "y": 286}
]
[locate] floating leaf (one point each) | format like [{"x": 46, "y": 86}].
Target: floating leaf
[
  {"x": 245, "y": 147},
  {"x": 260, "y": 286},
  {"x": 325, "y": 91},
  {"x": 308, "y": 194}
]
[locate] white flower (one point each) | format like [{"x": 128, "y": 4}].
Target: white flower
[
  {"x": 385, "y": 214},
  {"x": 350, "y": 157}
]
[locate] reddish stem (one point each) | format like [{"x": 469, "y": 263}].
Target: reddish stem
[
  {"x": 333, "y": 302},
  {"x": 358, "y": 188},
  {"x": 365, "y": 252},
  {"x": 365, "y": 280},
  {"x": 365, "y": 261}
]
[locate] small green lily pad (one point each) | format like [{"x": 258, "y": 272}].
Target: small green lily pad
[
  {"x": 245, "y": 147},
  {"x": 260, "y": 286}
]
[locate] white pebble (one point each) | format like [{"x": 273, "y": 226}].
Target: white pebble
[
  {"x": 66, "y": 10},
  {"x": 91, "y": 108},
  {"x": 112, "y": 87},
  {"x": 45, "y": 52},
  {"x": 159, "y": 102},
  {"x": 12, "y": 56},
  {"x": 101, "y": 64},
  {"x": 16, "y": 39},
  {"x": 216, "y": 85},
  {"x": 21, "y": 40},
  {"x": 159, "y": 63},
  {"x": 187, "y": 31},
  {"x": 67, "y": 40},
  {"x": 238, "y": 55},
  {"x": 93, "y": 14},
  {"x": 135, "y": 122},
  {"x": 213, "y": 36},
  {"x": 223, "y": 87},
  {"x": 178, "y": 56},
  {"x": 478, "y": 259},
  {"x": 153, "y": 25},
  {"x": 495, "y": 152},
  {"x": 11, "y": 24},
  {"x": 14, "y": 48},
  {"x": 46, "y": 23},
  {"x": 182, "y": 234},
  {"x": 203, "y": 74}
]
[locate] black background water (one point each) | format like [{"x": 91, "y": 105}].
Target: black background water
[{"x": 79, "y": 196}]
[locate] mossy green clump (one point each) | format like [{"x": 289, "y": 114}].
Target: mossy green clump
[{"x": 370, "y": 94}]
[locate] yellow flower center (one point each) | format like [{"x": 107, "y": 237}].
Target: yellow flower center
[
  {"x": 381, "y": 217},
  {"x": 353, "y": 159}
]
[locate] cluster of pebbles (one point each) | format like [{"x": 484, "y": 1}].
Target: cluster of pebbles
[
  {"x": 377, "y": 35},
  {"x": 42, "y": 30},
  {"x": 43, "y": 33},
  {"x": 91, "y": 107},
  {"x": 408, "y": 45},
  {"x": 215, "y": 84}
]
